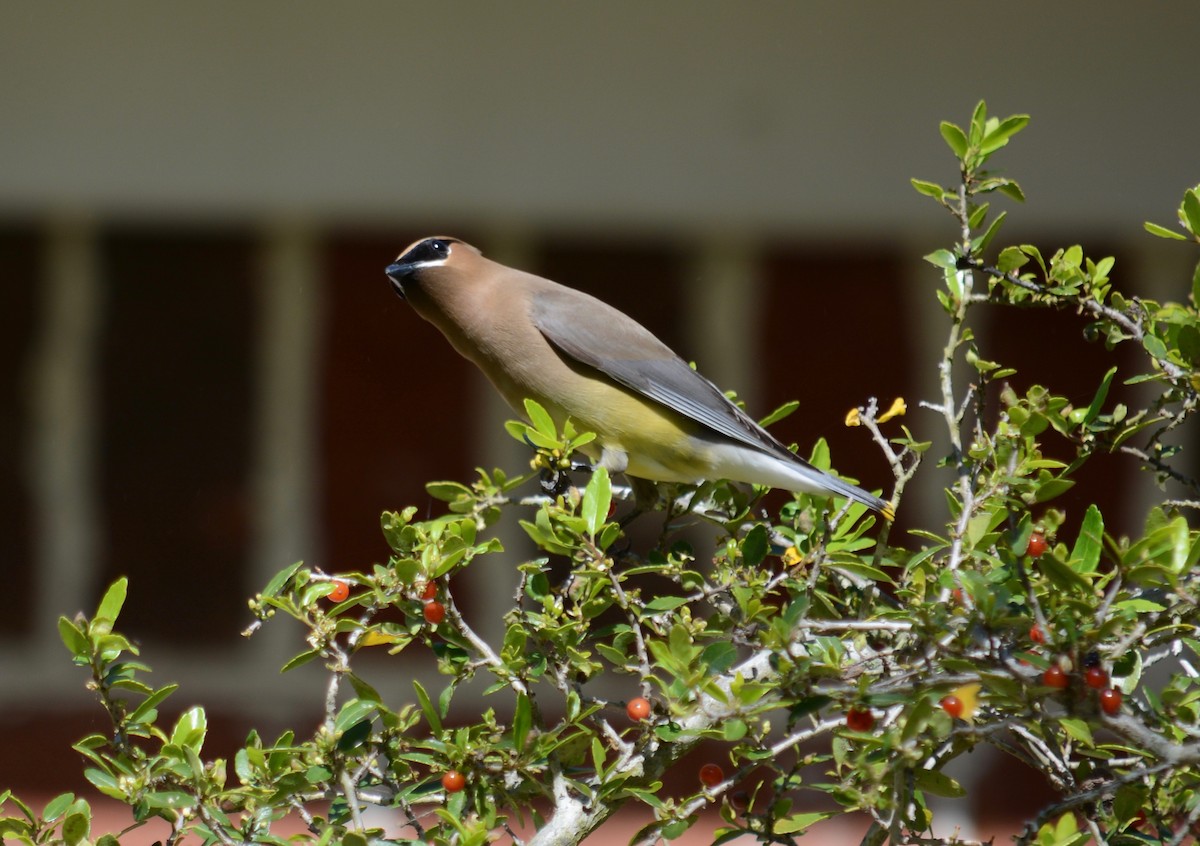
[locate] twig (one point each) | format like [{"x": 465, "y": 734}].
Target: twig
[{"x": 351, "y": 794}]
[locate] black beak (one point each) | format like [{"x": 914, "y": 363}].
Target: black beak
[{"x": 398, "y": 273}]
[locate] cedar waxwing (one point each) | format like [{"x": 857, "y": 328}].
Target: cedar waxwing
[{"x": 654, "y": 416}]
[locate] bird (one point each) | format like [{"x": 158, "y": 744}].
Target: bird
[{"x": 655, "y": 417}]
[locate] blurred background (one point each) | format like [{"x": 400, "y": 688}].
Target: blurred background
[{"x": 205, "y": 375}]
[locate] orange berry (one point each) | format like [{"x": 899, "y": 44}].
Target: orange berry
[
  {"x": 952, "y": 705},
  {"x": 434, "y": 613},
  {"x": 638, "y": 709},
  {"x": 1055, "y": 676},
  {"x": 1037, "y": 545},
  {"x": 453, "y": 781},
  {"x": 430, "y": 592},
  {"x": 860, "y": 719},
  {"x": 711, "y": 775},
  {"x": 340, "y": 591},
  {"x": 1036, "y": 634}
]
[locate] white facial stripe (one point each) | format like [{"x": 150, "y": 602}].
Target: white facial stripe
[{"x": 426, "y": 263}]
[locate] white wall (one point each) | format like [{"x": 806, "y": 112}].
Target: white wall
[{"x": 752, "y": 116}]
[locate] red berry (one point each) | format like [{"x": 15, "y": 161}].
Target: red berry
[
  {"x": 434, "y": 613},
  {"x": 430, "y": 592},
  {"x": 340, "y": 591},
  {"x": 952, "y": 705},
  {"x": 453, "y": 781},
  {"x": 1055, "y": 676},
  {"x": 1037, "y": 545},
  {"x": 1110, "y": 701},
  {"x": 957, "y": 595},
  {"x": 1036, "y": 634},
  {"x": 711, "y": 775},
  {"x": 860, "y": 719},
  {"x": 1096, "y": 677},
  {"x": 638, "y": 709}
]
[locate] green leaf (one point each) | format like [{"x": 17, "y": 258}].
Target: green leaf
[
  {"x": 978, "y": 215},
  {"x": 944, "y": 259},
  {"x": 676, "y": 828},
  {"x": 280, "y": 579},
  {"x": 978, "y": 122},
  {"x": 151, "y": 702},
  {"x": 1138, "y": 606},
  {"x": 190, "y": 728},
  {"x": 1052, "y": 488},
  {"x": 354, "y": 712},
  {"x": 598, "y": 755},
  {"x": 939, "y": 784},
  {"x": 1086, "y": 553},
  {"x": 1178, "y": 530},
  {"x": 664, "y": 603},
  {"x": 1155, "y": 346},
  {"x": 173, "y": 799},
  {"x": 447, "y": 491},
  {"x": 1011, "y": 258},
  {"x": 77, "y": 826},
  {"x": 522, "y": 722},
  {"x": 981, "y": 243},
  {"x": 597, "y": 498},
  {"x": 362, "y": 689},
  {"x": 999, "y": 136},
  {"x": 316, "y": 774},
  {"x": 719, "y": 656},
  {"x": 954, "y": 138},
  {"x": 105, "y": 782},
  {"x": 734, "y": 730},
  {"x": 114, "y": 598},
  {"x": 1062, "y": 575},
  {"x": 1012, "y": 190},
  {"x": 797, "y": 823},
  {"x": 431, "y": 714},
  {"x": 929, "y": 189},
  {"x": 1077, "y": 729},
  {"x": 73, "y": 638},
  {"x": 681, "y": 647},
  {"x": 299, "y": 660},
  {"x": 57, "y": 806},
  {"x": 1097, "y": 403},
  {"x": 1190, "y": 211},
  {"x": 1163, "y": 232},
  {"x": 540, "y": 419},
  {"x": 785, "y": 410},
  {"x": 756, "y": 546}
]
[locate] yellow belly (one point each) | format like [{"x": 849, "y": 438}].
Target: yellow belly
[{"x": 658, "y": 443}]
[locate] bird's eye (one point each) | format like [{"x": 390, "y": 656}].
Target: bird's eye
[{"x": 431, "y": 251}]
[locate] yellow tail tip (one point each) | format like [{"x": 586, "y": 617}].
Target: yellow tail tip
[{"x": 889, "y": 512}]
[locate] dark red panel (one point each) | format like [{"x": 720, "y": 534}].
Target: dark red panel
[
  {"x": 396, "y": 401},
  {"x": 20, "y": 270},
  {"x": 1048, "y": 348},
  {"x": 833, "y": 335},
  {"x": 176, "y": 427}
]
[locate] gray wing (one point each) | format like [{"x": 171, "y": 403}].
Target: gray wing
[{"x": 598, "y": 335}]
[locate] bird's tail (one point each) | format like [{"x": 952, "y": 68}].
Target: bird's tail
[{"x": 741, "y": 463}]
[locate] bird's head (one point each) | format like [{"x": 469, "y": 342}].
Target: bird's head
[{"x": 427, "y": 259}]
